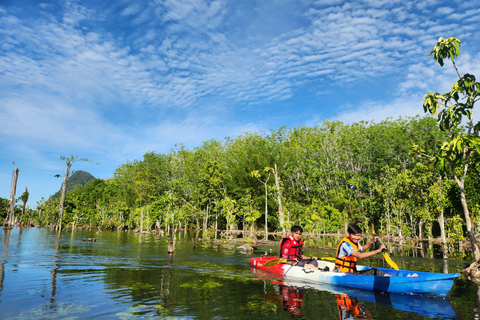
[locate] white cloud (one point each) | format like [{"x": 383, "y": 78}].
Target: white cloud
[
  {"x": 53, "y": 123},
  {"x": 132, "y": 9},
  {"x": 444, "y": 10},
  {"x": 378, "y": 111}
]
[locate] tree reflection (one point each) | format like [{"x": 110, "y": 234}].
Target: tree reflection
[
  {"x": 56, "y": 266},
  {"x": 6, "y": 246}
]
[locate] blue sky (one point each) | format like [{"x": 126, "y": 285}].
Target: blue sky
[{"x": 112, "y": 80}]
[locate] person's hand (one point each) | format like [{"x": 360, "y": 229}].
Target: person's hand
[
  {"x": 375, "y": 238},
  {"x": 381, "y": 248},
  {"x": 315, "y": 258}
]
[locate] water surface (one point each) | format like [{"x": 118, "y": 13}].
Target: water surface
[{"x": 125, "y": 275}]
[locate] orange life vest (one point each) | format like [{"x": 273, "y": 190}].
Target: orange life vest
[
  {"x": 347, "y": 306},
  {"x": 295, "y": 251},
  {"x": 346, "y": 264}
]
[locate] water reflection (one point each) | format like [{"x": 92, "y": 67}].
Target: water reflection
[
  {"x": 292, "y": 300},
  {"x": 433, "y": 307},
  {"x": 350, "y": 309},
  {"x": 6, "y": 246},
  {"x": 348, "y": 300},
  {"x": 56, "y": 266}
]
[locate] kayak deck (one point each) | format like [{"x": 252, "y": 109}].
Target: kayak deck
[{"x": 401, "y": 281}]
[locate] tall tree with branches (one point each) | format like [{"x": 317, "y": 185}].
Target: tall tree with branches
[{"x": 451, "y": 108}]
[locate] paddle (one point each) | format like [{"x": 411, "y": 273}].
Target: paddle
[
  {"x": 386, "y": 255},
  {"x": 274, "y": 262}
]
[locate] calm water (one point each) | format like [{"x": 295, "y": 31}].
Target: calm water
[{"x": 123, "y": 275}]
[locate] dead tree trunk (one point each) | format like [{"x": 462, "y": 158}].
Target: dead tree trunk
[
  {"x": 10, "y": 221},
  {"x": 441, "y": 222},
  {"x": 205, "y": 221},
  {"x": 64, "y": 193},
  {"x": 281, "y": 218}
]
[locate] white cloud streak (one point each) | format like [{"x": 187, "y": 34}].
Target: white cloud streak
[{"x": 118, "y": 79}]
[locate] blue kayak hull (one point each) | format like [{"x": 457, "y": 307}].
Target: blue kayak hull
[{"x": 401, "y": 281}]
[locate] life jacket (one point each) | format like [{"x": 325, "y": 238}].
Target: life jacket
[
  {"x": 295, "y": 251},
  {"x": 347, "y": 264},
  {"x": 348, "y": 307}
]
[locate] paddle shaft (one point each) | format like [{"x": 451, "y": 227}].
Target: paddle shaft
[{"x": 380, "y": 242}]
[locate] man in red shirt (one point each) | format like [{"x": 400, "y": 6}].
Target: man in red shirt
[{"x": 291, "y": 248}]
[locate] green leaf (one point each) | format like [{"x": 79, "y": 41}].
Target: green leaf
[
  {"x": 476, "y": 129},
  {"x": 446, "y": 48}
]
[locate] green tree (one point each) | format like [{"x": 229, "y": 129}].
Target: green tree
[
  {"x": 4, "y": 204},
  {"x": 454, "y": 106},
  {"x": 248, "y": 211},
  {"x": 437, "y": 202},
  {"x": 256, "y": 174},
  {"x": 206, "y": 178},
  {"x": 24, "y": 198}
]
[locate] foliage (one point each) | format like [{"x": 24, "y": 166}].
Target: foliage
[
  {"x": 456, "y": 152},
  {"x": 4, "y": 204},
  {"x": 454, "y": 229},
  {"x": 332, "y": 174}
]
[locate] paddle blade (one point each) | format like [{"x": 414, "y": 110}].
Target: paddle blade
[
  {"x": 390, "y": 261},
  {"x": 387, "y": 257},
  {"x": 274, "y": 262}
]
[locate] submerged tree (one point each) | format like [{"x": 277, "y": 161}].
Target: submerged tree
[{"x": 455, "y": 153}]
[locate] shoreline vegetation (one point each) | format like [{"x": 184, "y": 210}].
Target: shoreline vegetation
[
  {"x": 248, "y": 241},
  {"x": 321, "y": 178}
]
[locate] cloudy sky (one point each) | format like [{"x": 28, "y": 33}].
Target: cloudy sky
[{"x": 112, "y": 80}]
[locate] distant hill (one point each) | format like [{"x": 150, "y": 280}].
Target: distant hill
[{"x": 77, "y": 180}]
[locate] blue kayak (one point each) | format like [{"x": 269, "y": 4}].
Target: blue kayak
[{"x": 400, "y": 281}]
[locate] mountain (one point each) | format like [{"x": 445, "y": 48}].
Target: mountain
[{"x": 77, "y": 180}]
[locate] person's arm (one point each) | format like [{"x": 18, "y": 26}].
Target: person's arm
[
  {"x": 363, "y": 255},
  {"x": 366, "y": 246},
  {"x": 308, "y": 258}
]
